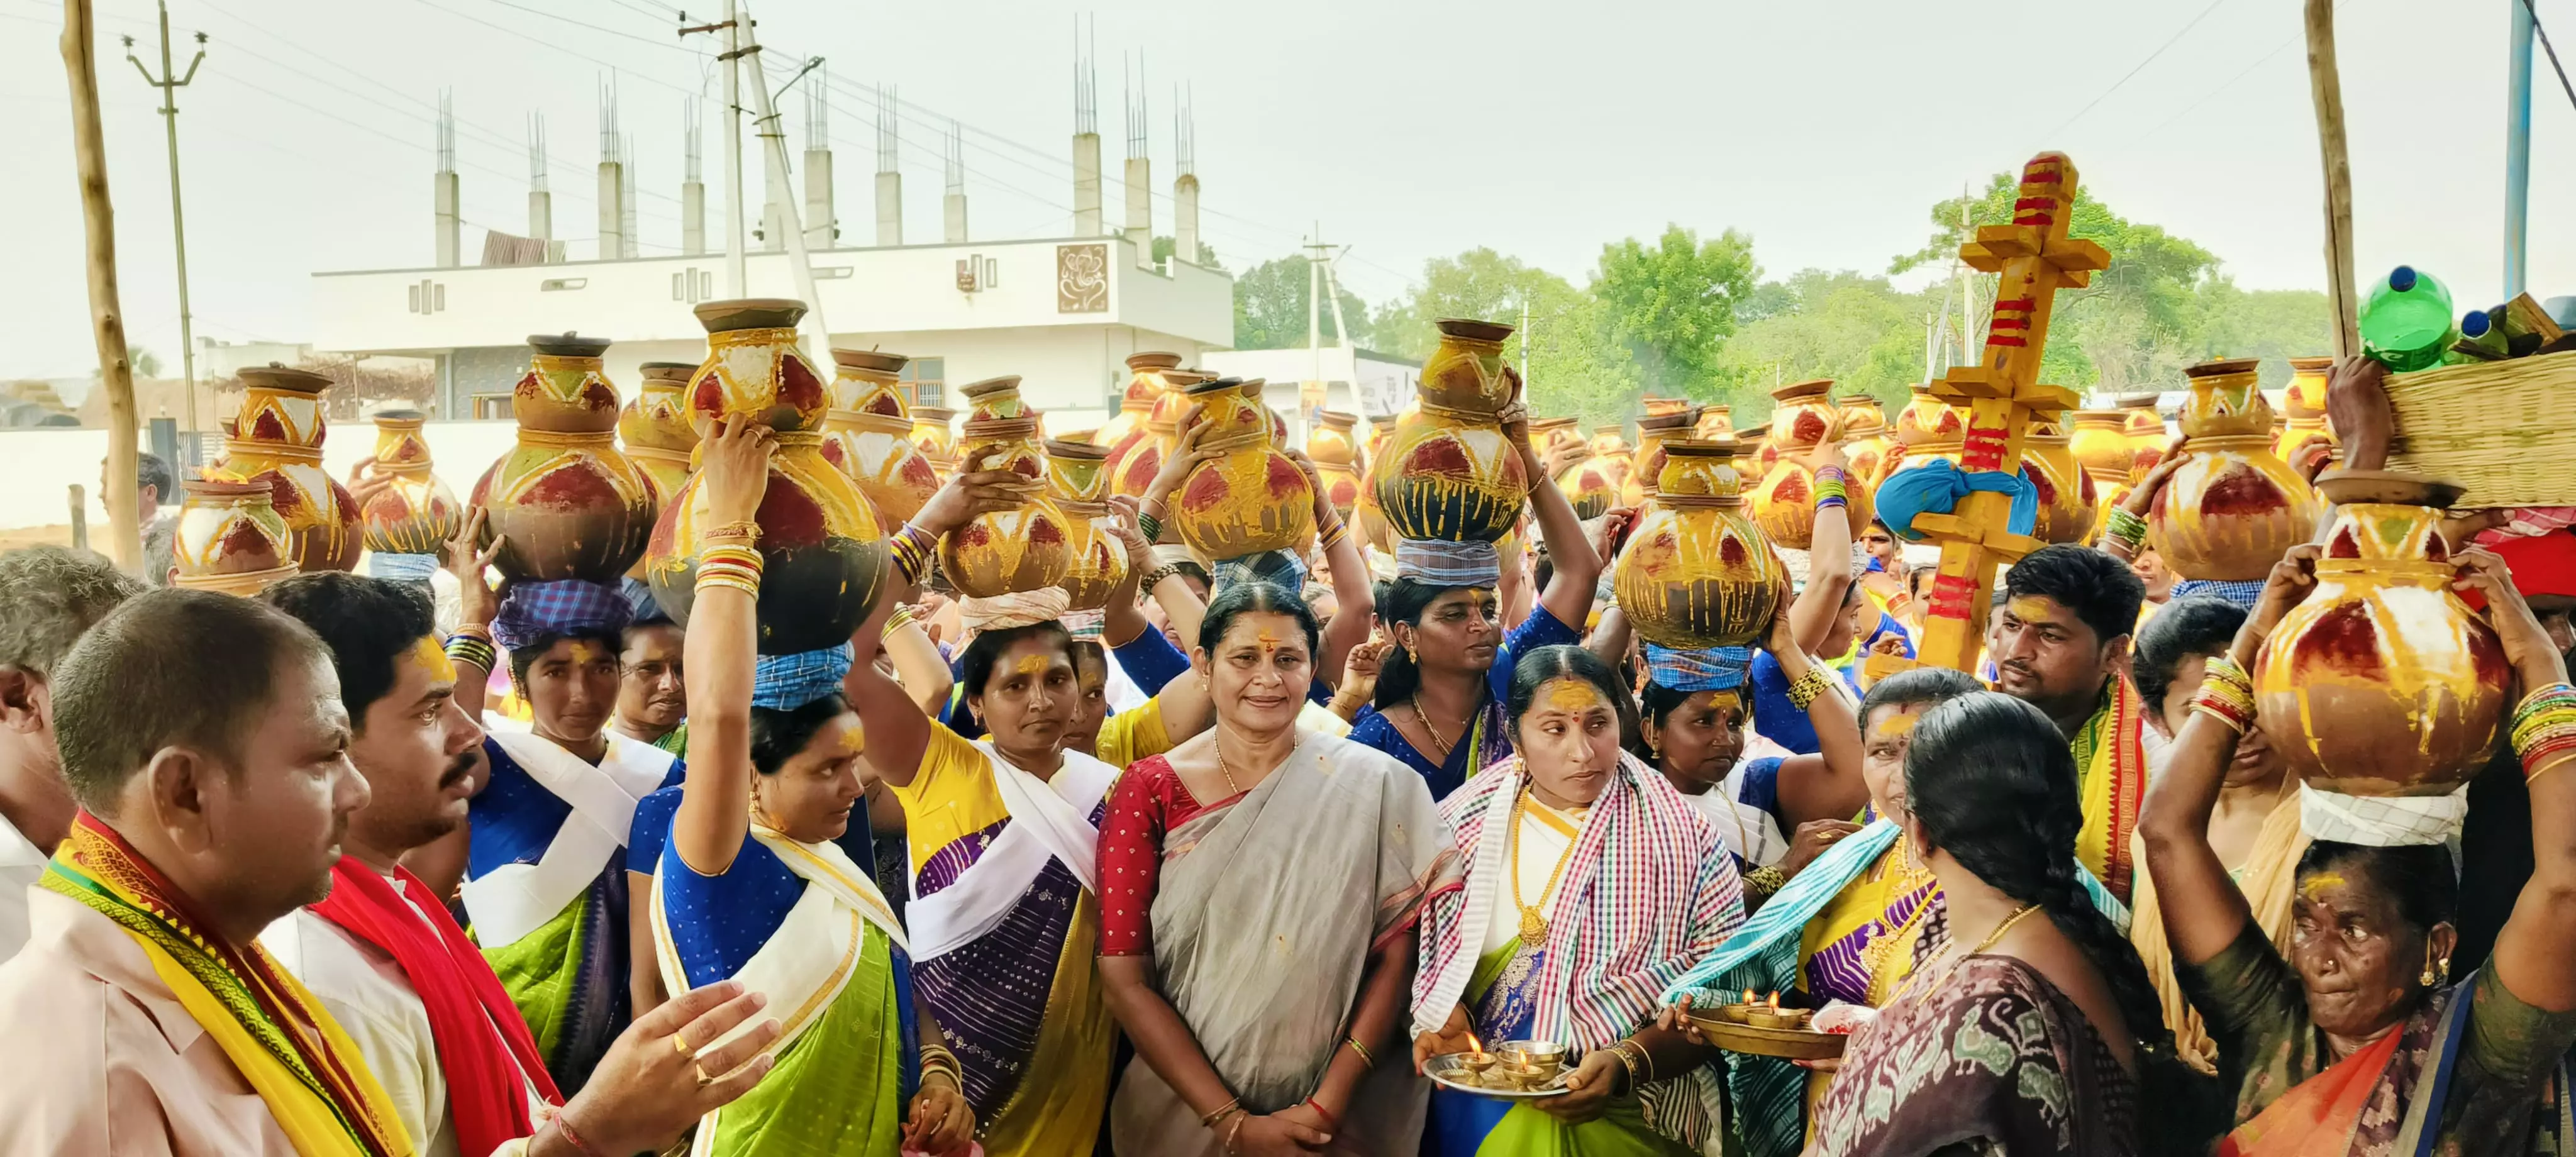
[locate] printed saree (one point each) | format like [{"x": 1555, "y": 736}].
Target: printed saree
[
  {"x": 1268, "y": 910},
  {"x": 2110, "y": 752},
  {"x": 288, "y": 1049}
]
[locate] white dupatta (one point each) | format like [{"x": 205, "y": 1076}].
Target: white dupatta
[
  {"x": 815, "y": 950},
  {"x": 1050, "y": 819},
  {"x": 513, "y": 900}
]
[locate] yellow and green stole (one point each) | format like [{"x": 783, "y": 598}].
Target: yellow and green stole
[
  {"x": 2111, "y": 758},
  {"x": 290, "y": 1051}
]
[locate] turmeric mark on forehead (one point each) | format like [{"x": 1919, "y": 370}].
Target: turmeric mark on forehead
[
  {"x": 585, "y": 651},
  {"x": 433, "y": 659},
  {"x": 1573, "y": 696},
  {"x": 2316, "y": 885},
  {"x": 1031, "y": 665},
  {"x": 1896, "y": 724}
]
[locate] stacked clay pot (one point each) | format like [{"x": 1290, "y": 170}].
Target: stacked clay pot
[
  {"x": 1078, "y": 482},
  {"x": 415, "y": 513},
  {"x": 654, "y": 430},
  {"x": 1610, "y": 445},
  {"x": 1449, "y": 472},
  {"x": 935, "y": 436},
  {"x": 1145, "y": 386},
  {"x": 1716, "y": 424},
  {"x": 2147, "y": 437},
  {"x": 2382, "y": 682},
  {"x": 2233, "y": 508},
  {"x": 1252, "y": 498},
  {"x": 2068, "y": 502},
  {"x": 1653, "y": 431},
  {"x": 567, "y": 501},
  {"x": 868, "y": 434},
  {"x": 230, "y": 538},
  {"x": 1785, "y": 503},
  {"x": 1333, "y": 446},
  {"x": 1587, "y": 482},
  {"x": 1697, "y": 572},
  {"x": 1548, "y": 436},
  {"x": 821, "y": 556},
  {"x": 1925, "y": 419},
  {"x": 1662, "y": 407},
  {"x": 1866, "y": 434},
  {"x": 1025, "y": 548},
  {"x": 996, "y": 398},
  {"x": 1748, "y": 453},
  {"x": 2305, "y": 404},
  {"x": 2100, "y": 442},
  {"x": 1132, "y": 469},
  {"x": 276, "y": 440}
]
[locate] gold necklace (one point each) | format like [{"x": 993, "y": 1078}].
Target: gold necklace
[
  {"x": 1998, "y": 934},
  {"x": 1957, "y": 958},
  {"x": 1228, "y": 773},
  {"x": 1876, "y": 956},
  {"x": 1533, "y": 922},
  {"x": 1434, "y": 732}
]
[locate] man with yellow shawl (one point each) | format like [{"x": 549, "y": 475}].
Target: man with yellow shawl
[
  {"x": 205, "y": 740},
  {"x": 2061, "y": 643}
]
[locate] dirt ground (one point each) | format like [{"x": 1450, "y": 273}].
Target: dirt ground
[{"x": 59, "y": 534}]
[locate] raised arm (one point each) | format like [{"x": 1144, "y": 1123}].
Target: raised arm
[
  {"x": 1609, "y": 641},
  {"x": 715, "y": 799},
  {"x": 1352, "y": 592},
  {"x": 1829, "y": 569},
  {"x": 477, "y": 604},
  {"x": 2204, "y": 912},
  {"x": 896, "y": 725},
  {"x": 918, "y": 665},
  {"x": 1828, "y": 784},
  {"x": 1578, "y": 567},
  {"x": 2127, "y": 527},
  {"x": 2538, "y": 940}
]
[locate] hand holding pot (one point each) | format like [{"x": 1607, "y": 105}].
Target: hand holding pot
[
  {"x": 2142, "y": 497},
  {"x": 477, "y": 602},
  {"x": 2527, "y": 645},
  {"x": 968, "y": 496},
  {"x": 2288, "y": 584},
  {"x": 735, "y": 464}
]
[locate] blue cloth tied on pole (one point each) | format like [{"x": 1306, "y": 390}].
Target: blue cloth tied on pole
[
  {"x": 1705, "y": 669},
  {"x": 787, "y": 682},
  {"x": 1937, "y": 486}
]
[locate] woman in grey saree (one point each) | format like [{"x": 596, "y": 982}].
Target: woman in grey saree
[{"x": 1258, "y": 948}]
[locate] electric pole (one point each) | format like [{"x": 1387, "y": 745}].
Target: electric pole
[{"x": 170, "y": 86}]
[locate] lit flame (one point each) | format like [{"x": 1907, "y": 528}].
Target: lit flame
[
  {"x": 1775, "y": 1002},
  {"x": 1748, "y": 996},
  {"x": 1474, "y": 1046}
]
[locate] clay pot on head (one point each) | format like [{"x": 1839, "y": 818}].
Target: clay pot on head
[
  {"x": 654, "y": 429},
  {"x": 1253, "y": 499},
  {"x": 416, "y": 513},
  {"x": 2099, "y": 439},
  {"x": 932, "y": 433},
  {"x": 1078, "y": 482},
  {"x": 995, "y": 398},
  {"x": 1334, "y": 447},
  {"x": 2233, "y": 508},
  {"x": 1785, "y": 503},
  {"x": 2140, "y": 412},
  {"x": 229, "y": 538},
  {"x": 870, "y": 439},
  {"x": 1867, "y": 437},
  {"x": 1132, "y": 469},
  {"x": 277, "y": 442},
  {"x": 2382, "y": 682},
  {"x": 821, "y": 555},
  {"x": 1585, "y": 480},
  {"x": 755, "y": 369},
  {"x": 568, "y": 503},
  {"x": 1926, "y": 418},
  {"x": 1697, "y": 572},
  {"x": 1663, "y": 407},
  {"x": 2304, "y": 404},
  {"x": 1025, "y": 548},
  {"x": 1467, "y": 372},
  {"x": 1450, "y": 475},
  {"x": 1145, "y": 386},
  {"x": 1548, "y": 435},
  {"x": 1716, "y": 424},
  {"x": 2068, "y": 503},
  {"x": 1653, "y": 431}
]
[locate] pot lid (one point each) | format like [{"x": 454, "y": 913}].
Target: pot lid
[
  {"x": 2216, "y": 367},
  {"x": 1212, "y": 385},
  {"x": 567, "y": 345},
  {"x": 938, "y": 415},
  {"x": 1811, "y": 388},
  {"x": 1153, "y": 360},
  {"x": 2138, "y": 401},
  {"x": 985, "y": 388},
  {"x": 667, "y": 371},
  {"x": 1067, "y": 448},
  {"x": 1472, "y": 329},
  {"x": 2312, "y": 364},
  {"x": 399, "y": 417},
  {"x": 2345, "y": 487},
  {"x": 1702, "y": 447},
  {"x": 870, "y": 361},
  {"x": 1339, "y": 420},
  {"x": 280, "y": 376},
  {"x": 750, "y": 313}
]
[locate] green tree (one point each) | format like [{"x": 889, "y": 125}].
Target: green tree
[
  {"x": 1851, "y": 327},
  {"x": 1163, "y": 246},
  {"x": 1576, "y": 369},
  {"x": 1674, "y": 304},
  {"x": 1270, "y": 307}
]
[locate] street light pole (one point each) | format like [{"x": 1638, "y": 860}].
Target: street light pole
[{"x": 170, "y": 86}]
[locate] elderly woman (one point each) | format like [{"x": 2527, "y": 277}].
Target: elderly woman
[
  {"x": 752, "y": 889},
  {"x": 1250, "y": 840},
  {"x": 2358, "y": 1040},
  {"x": 1591, "y": 885}
]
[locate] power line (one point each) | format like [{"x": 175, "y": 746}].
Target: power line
[
  {"x": 2141, "y": 66},
  {"x": 2212, "y": 94},
  {"x": 2552, "y": 50}
]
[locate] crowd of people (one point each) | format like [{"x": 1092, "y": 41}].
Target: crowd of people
[{"x": 334, "y": 870}]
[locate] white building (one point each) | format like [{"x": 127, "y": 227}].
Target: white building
[{"x": 1355, "y": 381}]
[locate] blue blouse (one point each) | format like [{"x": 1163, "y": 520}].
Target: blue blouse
[
  {"x": 514, "y": 818},
  {"x": 1373, "y": 729}
]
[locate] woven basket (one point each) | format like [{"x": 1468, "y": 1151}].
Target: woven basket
[{"x": 2505, "y": 430}]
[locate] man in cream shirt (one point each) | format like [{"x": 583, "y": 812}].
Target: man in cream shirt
[{"x": 48, "y": 596}]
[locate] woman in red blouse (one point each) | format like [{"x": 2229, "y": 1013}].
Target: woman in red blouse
[{"x": 1258, "y": 890}]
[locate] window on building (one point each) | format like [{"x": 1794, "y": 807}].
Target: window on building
[{"x": 925, "y": 382}]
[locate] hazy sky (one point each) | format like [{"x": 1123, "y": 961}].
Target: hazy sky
[{"x": 1409, "y": 129}]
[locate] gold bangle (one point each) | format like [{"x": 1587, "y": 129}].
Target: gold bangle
[
  {"x": 1211, "y": 1117},
  {"x": 1365, "y": 1059},
  {"x": 1815, "y": 682},
  {"x": 745, "y": 528}
]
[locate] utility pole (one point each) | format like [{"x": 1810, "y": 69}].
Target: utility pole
[
  {"x": 170, "y": 87},
  {"x": 2517, "y": 146},
  {"x": 1319, "y": 259},
  {"x": 732, "y": 29},
  {"x": 773, "y": 134}
]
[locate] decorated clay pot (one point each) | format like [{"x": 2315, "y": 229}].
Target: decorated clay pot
[
  {"x": 755, "y": 368},
  {"x": 654, "y": 430},
  {"x": 2232, "y": 509},
  {"x": 1453, "y": 476},
  {"x": 1653, "y": 431},
  {"x": 1785, "y": 503},
  {"x": 1131, "y": 470},
  {"x": 276, "y": 439},
  {"x": 1467, "y": 372},
  {"x": 1716, "y": 424},
  {"x": 1078, "y": 481},
  {"x": 2382, "y": 682},
  {"x": 1550, "y": 435},
  {"x": 1697, "y": 572},
  {"x": 933, "y": 434},
  {"x": 821, "y": 558},
  {"x": 868, "y": 434},
  {"x": 1927, "y": 418},
  {"x": 1253, "y": 498},
  {"x": 1663, "y": 407},
  {"x": 1588, "y": 484},
  {"x": 1334, "y": 447},
  {"x": 1865, "y": 428},
  {"x": 995, "y": 398},
  {"x": 568, "y": 503},
  {"x": 416, "y": 513},
  {"x": 2144, "y": 422},
  {"x": 1025, "y": 548},
  {"x": 2100, "y": 442},
  {"x": 2067, "y": 498},
  {"x": 229, "y": 538},
  {"x": 2304, "y": 404},
  {"x": 1145, "y": 386}
]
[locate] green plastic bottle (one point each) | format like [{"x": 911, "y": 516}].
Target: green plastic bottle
[{"x": 2406, "y": 321}]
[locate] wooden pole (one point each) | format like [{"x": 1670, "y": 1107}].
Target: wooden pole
[
  {"x": 2325, "y": 84},
  {"x": 116, "y": 376},
  {"x": 80, "y": 518}
]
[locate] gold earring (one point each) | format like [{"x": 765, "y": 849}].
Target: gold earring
[
  {"x": 2445, "y": 970},
  {"x": 2427, "y": 979}
]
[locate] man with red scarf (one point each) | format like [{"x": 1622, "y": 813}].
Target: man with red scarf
[{"x": 205, "y": 739}]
